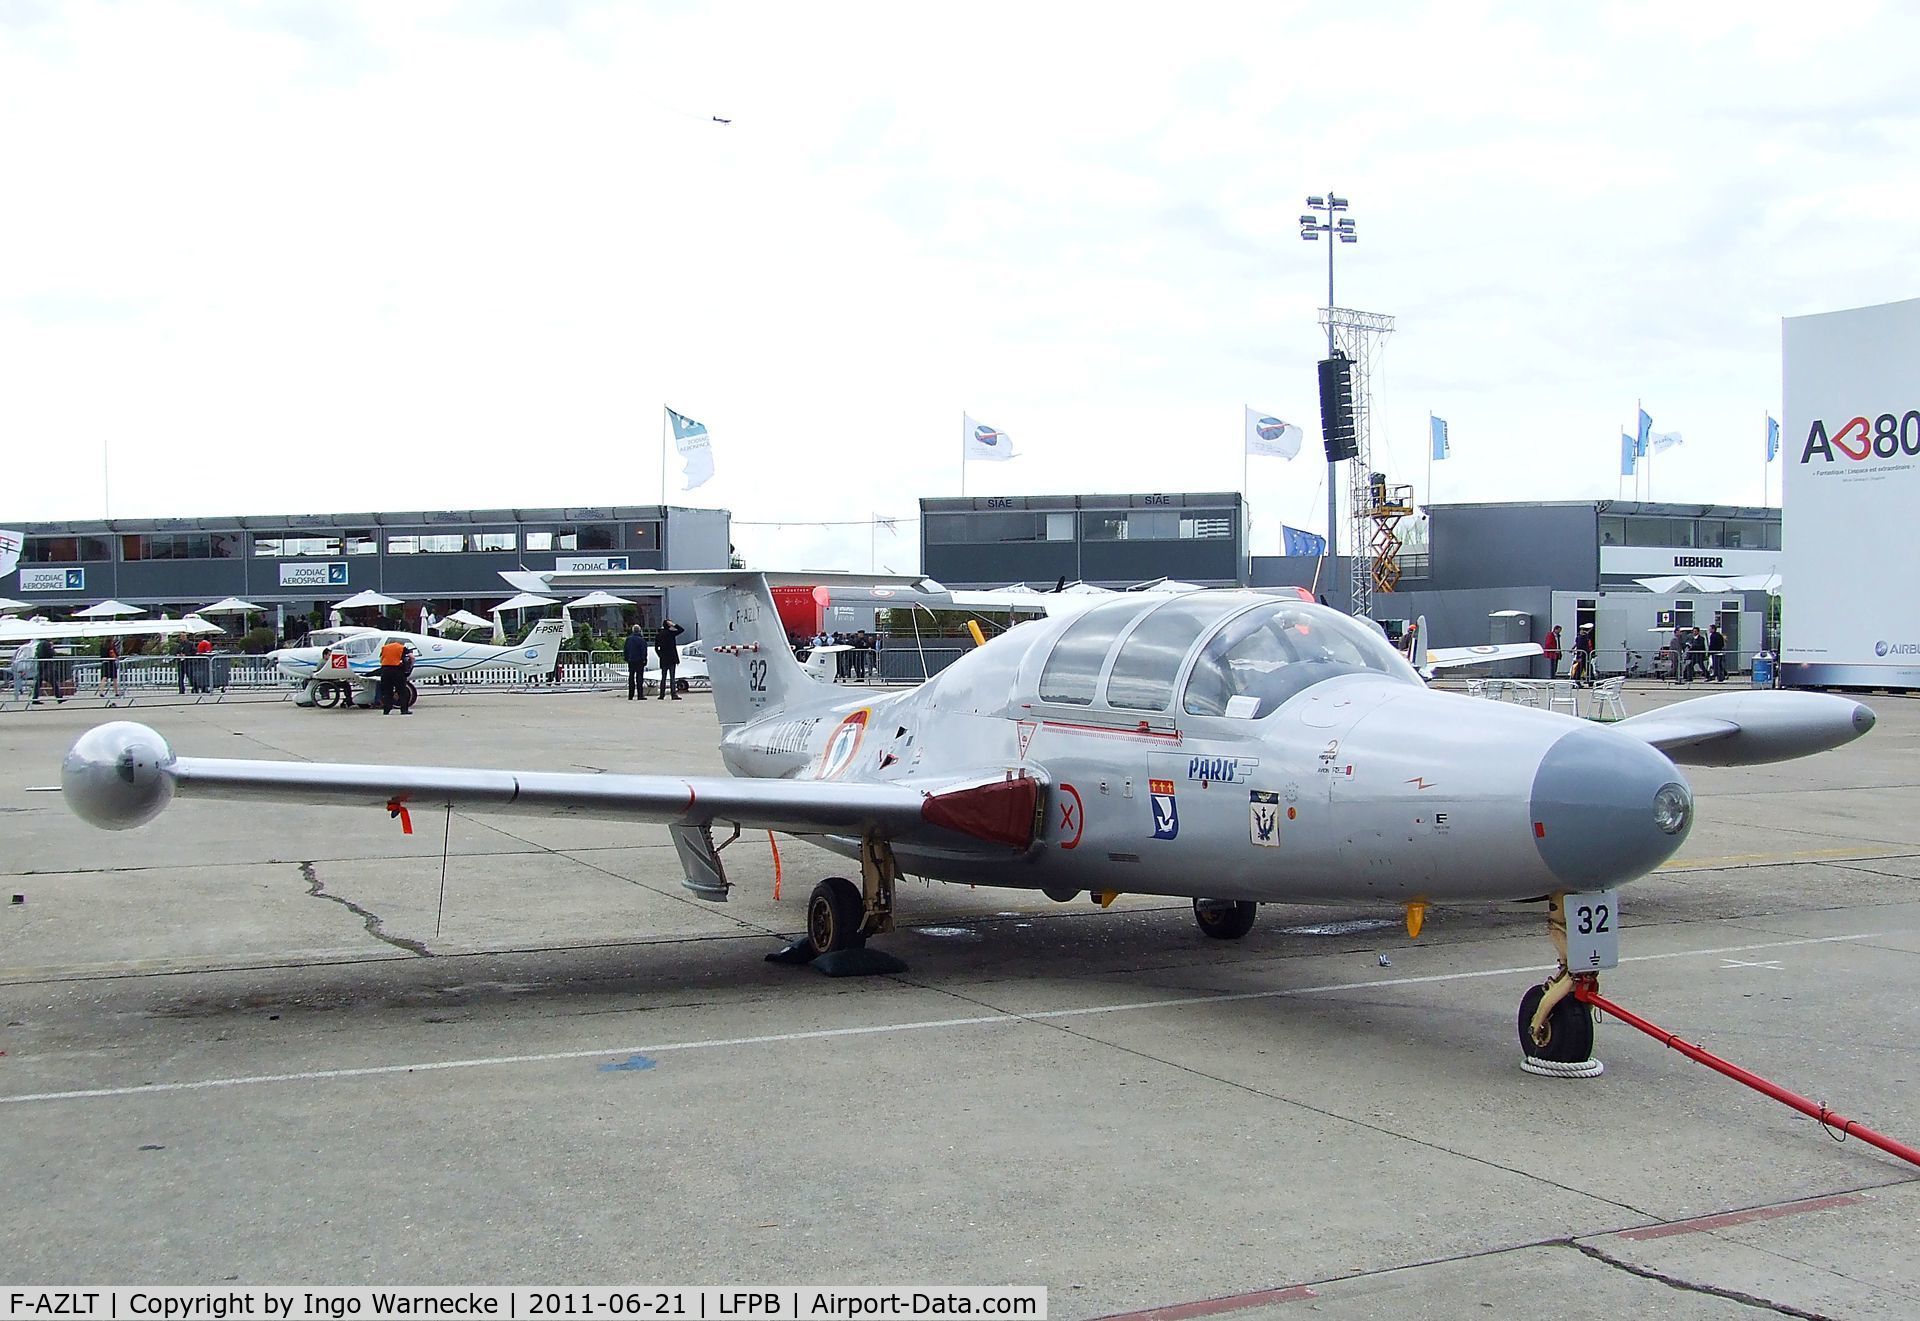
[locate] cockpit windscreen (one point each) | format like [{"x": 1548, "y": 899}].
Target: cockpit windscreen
[{"x": 1276, "y": 651}]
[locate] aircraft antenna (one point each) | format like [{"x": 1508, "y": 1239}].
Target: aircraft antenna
[{"x": 1359, "y": 335}]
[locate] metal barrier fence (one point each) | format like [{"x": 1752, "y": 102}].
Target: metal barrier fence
[{"x": 1653, "y": 663}]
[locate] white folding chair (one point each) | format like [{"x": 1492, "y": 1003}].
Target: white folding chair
[
  {"x": 1605, "y": 703},
  {"x": 1476, "y": 688},
  {"x": 1562, "y": 695}
]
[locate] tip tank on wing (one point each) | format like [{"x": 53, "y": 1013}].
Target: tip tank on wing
[{"x": 118, "y": 775}]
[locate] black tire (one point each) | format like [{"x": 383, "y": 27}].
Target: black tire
[
  {"x": 835, "y": 914},
  {"x": 413, "y": 694},
  {"x": 1569, "y": 1029},
  {"x": 326, "y": 694},
  {"x": 1225, "y": 919},
  {"x": 682, "y": 686}
]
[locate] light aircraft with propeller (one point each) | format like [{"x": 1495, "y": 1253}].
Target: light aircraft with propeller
[
  {"x": 1232, "y": 747},
  {"x": 339, "y": 663}
]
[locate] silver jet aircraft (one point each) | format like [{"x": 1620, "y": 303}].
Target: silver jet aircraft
[{"x": 1232, "y": 747}]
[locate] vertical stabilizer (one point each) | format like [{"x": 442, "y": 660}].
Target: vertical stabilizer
[{"x": 748, "y": 659}]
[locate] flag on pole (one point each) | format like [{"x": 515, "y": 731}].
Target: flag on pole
[
  {"x": 1295, "y": 542},
  {"x": 1773, "y": 441},
  {"x": 1437, "y": 431},
  {"x": 1268, "y": 435},
  {"x": 1629, "y": 455},
  {"x": 980, "y": 441},
  {"x": 1662, "y": 441},
  {"x": 696, "y": 452},
  {"x": 1646, "y": 429},
  {"x": 10, "y": 543}
]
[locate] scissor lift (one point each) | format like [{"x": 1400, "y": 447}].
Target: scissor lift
[{"x": 1386, "y": 506}]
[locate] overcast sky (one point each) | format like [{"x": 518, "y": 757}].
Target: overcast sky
[{"x": 316, "y": 257}]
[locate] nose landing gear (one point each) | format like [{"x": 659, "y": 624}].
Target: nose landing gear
[{"x": 1556, "y": 1028}]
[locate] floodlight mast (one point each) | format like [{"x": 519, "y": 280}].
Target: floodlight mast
[{"x": 1337, "y": 231}]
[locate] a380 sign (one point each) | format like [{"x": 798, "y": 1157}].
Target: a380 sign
[{"x": 1884, "y": 437}]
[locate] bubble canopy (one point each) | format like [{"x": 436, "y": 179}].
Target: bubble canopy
[{"x": 1272, "y": 652}]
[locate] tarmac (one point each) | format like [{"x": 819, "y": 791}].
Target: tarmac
[{"x": 272, "y": 1044}]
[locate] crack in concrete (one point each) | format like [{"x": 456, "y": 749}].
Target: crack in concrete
[
  {"x": 1693, "y": 1286},
  {"x": 317, "y": 890}
]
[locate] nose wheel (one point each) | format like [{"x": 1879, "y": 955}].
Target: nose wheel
[{"x": 1225, "y": 919}]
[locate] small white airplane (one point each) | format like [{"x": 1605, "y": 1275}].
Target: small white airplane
[{"x": 344, "y": 663}]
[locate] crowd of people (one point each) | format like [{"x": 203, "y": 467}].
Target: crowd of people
[
  {"x": 1687, "y": 655},
  {"x": 858, "y": 664}
]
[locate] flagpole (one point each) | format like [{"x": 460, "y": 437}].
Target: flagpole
[
  {"x": 1429, "y": 456},
  {"x": 1620, "y": 482},
  {"x": 664, "y": 426},
  {"x": 963, "y": 454}
]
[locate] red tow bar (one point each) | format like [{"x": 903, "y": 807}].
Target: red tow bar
[{"x": 1584, "y": 992}]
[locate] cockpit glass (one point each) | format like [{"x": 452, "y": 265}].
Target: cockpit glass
[
  {"x": 1072, "y": 672},
  {"x": 1276, "y": 651},
  {"x": 1150, "y": 658}
]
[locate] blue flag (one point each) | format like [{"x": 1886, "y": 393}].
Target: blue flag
[
  {"x": 1646, "y": 429},
  {"x": 1773, "y": 439},
  {"x": 1295, "y": 542},
  {"x": 1437, "y": 429},
  {"x": 1629, "y": 455}
]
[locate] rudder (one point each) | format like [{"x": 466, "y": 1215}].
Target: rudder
[{"x": 748, "y": 659}]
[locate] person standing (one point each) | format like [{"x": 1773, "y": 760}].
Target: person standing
[
  {"x": 636, "y": 653},
  {"x": 110, "y": 668},
  {"x": 1716, "y": 654},
  {"x": 24, "y": 666},
  {"x": 1583, "y": 655},
  {"x": 1551, "y": 650},
  {"x": 180, "y": 652},
  {"x": 393, "y": 656},
  {"x": 203, "y": 665},
  {"x": 1696, "y": 655},
  {"x": 667, "y": 644},
  {"x": 45, "y": 672}
]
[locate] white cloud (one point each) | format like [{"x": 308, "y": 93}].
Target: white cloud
[{"x": 311, "y": 257}]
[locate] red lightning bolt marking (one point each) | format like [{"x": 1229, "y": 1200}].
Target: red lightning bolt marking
[{"x": 1420, "y": 781}]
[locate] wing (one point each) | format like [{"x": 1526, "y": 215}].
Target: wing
[
  {"x": 28, "y": 630},
  {"x": 122, "y": 775},
  {"x": 1746, "y": 729},
  {"x": 1447, "y": 658}
]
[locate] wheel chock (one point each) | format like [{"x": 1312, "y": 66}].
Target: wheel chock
[{"x": 862, "y": 962}]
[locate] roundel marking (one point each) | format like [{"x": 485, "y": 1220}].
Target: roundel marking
[
  {"x": 842, "y": 745},
  {"x": 986, "y": 435},
  {"x": 1073, "y": 817},
  {"x": 1270, "y": 428}
]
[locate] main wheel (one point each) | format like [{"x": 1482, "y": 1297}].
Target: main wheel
[
  {"x": 1569, "y": 1029},
  {"x": 835, "y": 914},
  {"x": 326, "y": 694},
  {"x": 1225, "y": 919},
  {"x": 682, "y": 686},
  {"x": 413, "y": 694}
]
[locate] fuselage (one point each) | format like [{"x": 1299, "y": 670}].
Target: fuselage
[
  {"x": 353, "y": 655},
  {"x": 1258, "y": 749}
]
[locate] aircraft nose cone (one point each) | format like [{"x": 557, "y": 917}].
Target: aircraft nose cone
[{"x": 1607, "y": 808}]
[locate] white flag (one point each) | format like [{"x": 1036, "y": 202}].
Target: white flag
[
  {"x": 1661, "y": 441},
  {"x": 1267, "y": 434},
  {"x": 980, "y": 441},
  {"x": 10, "y": 551},
  {"x": 696, "y": 452}
]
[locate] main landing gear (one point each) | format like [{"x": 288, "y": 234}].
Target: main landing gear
[
  {"x": 1556, "y": 1029},
  {"x": 841, "y": 915},
  {"x": 1225, "y": 919}
]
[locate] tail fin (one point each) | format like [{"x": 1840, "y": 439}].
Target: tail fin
[
  {"x": 748, "y": 659},
  {"x": 539, "y": 651}
]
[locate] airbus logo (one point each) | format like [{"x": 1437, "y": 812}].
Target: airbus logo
[
  {"x": 1886, "y": 437},
  {"x": 1896, "y": 648}
]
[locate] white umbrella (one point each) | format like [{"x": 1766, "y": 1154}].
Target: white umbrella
[
  {"x": 594, "y": 600},
  {"x": 108, "y": 609},
  {"x": 364, "y": 600},
  {"x": 460, "y": 619},
  {"x": 8, "y": 605},
  {"x": 525, "y": 601},
  {"x": 232, "y": 605}
]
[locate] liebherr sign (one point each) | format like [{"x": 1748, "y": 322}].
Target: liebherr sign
[{"x": 1850, "y": 445}]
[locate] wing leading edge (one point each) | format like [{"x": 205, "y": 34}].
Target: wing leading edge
[{"x": 123, "y": 774}]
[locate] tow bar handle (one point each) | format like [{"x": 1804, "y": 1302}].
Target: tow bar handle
[{"x": 1585, "y": 992}]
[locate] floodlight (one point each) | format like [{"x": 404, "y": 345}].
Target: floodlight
[
  {"x": 1349, "y": 238},
  {"x": 1310, "y": 234},
  {"x": 1317, "y": 203},
  {"x": 1336, "y": 203},
  {"x": 1346, "y": 223},
  {"x": 1309, "y": 220}
]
